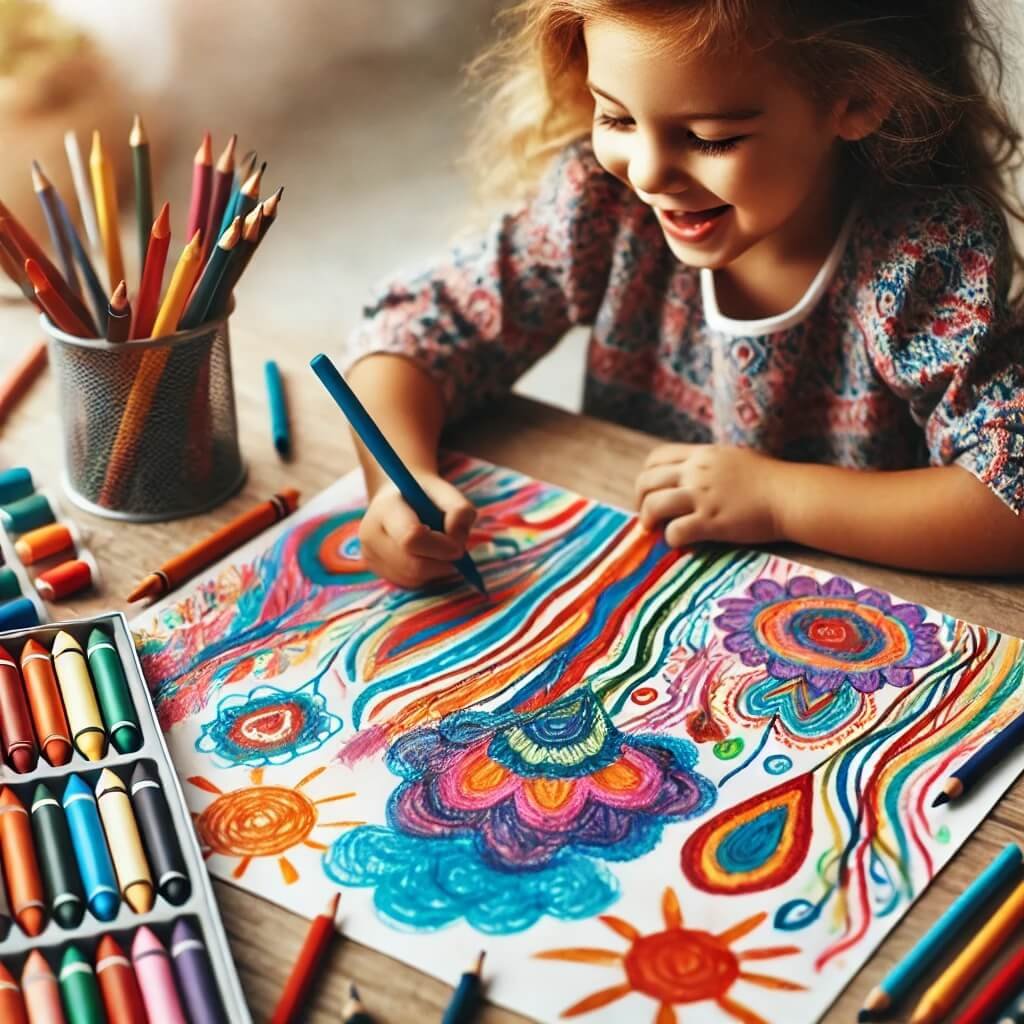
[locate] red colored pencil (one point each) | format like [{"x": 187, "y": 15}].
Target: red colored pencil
[
  {"x": 223, "y": 183},
  {"x": 202, "y": 173},
  {"x": 147, "y": 303},
  {"x": 320, "y": 933},
  {"x": 59, "y": 312},
  {"x": 998, "y": 991},
  {"x": 15, "y": 383}
]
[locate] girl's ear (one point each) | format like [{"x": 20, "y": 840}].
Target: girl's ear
[{"x": 857, "y": 117}]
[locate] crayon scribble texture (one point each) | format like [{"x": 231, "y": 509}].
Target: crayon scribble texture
[{"x": 762, "y": 738}]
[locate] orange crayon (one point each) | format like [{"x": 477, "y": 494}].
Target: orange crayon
[
  {"x": 19, "y": 378},
  {"x": 45, "y": 703},
  {"x": 118, "y": 986},
  {"x": 12, "y": 1009},
  {"x": 19, "y": 743},
  {"x": 21, "y": 870}
]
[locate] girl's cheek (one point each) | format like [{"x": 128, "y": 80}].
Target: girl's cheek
[{"x": 609, "y": 155}]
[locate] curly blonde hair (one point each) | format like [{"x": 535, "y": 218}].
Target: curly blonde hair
[{"x": 934, "y": 64}]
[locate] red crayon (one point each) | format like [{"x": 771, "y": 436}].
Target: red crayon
[
  {"x": 320, "y": 933},
  {"x": 21, "y": 869},
  {"x": 16, "y": 735},
  {"x": 122, "y": 997},
  {"x": 45, "y": 701},
  {"x": 12, "y": 1009}
]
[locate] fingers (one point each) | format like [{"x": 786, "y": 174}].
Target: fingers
[
  {"x": 388, "y": 558},
  {"x": 459, "y": 513},
  {"x": 668, "y": 453},
  {"x": 668, "y": 503},
  {"x": 686, "y": 530},
  {"x": 655, "y": 479}
]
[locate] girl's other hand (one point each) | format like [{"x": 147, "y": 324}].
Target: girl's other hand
[
  {"x": 710, "y": 492},
  {"x": 397, "y": 546}
]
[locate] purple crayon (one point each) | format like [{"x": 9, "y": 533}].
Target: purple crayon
[{"x": 195, "y": 976}]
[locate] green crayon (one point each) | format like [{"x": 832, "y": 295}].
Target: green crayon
[
  {"x": 56, "y": 859},
  {"x": 112, "y": 691},
  {"x": 79, "y": 991},
  {"x": 10, "y": 588}
]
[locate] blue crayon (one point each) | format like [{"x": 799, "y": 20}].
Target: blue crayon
[
  {"x": 280, "y": 428},
  {"x": 14, "y": 484},
  {"x": 388, "y": 459},
  {"x": 90, "y": 844},
  {"x": 21, "y": 613}
]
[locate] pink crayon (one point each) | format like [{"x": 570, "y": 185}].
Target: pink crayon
[
  {"x": 40, "y": 991},
  {"x": 156, "y": 979}
]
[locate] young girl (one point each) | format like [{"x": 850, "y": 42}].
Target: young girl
[{"x": 786, "y": 222}]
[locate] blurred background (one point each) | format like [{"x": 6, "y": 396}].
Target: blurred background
[{"x": 356, "y": 104}]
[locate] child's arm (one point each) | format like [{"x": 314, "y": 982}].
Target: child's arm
[{"x": 939, "y": 519}]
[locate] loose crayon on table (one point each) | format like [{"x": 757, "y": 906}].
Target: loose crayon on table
[
  {"x": 147, "y": 302},
  {"x": 97, "y": 295},
  {"x": 202, "y": 179},
  {"x": 353, "y": 1012},
  {"x": 465, "y": 1001},
  {"x": 70, "y": 577},
  {"x": 125, "y": 844},
  {"x": 153, "y": 818},
  {"x": 116, "y": 703},
  {"x": 280, "y": 428},
  {"x": 41, "y": 991},
  {"x": 82, "y": 189},
  {"x": 27, "y": 513},
  {"x": 95, "y": 868},
  {"x": 46, "y": 541},
  {"x": 119, "y": 988},
  {"x": 229, "y": 537},
  {"x": 10, "y": 585},
  {"x": 997, "y": 749},
  {"x": 1001, "y": 987},
  {"x": 16, "y": 382},
  {"x": 12, "y": 1008},
  {"x": 119, "y": 315},
  {"x": 56, "y": 859},
  {"x": 388, "y": 459},
  {"x": 16, "y": 482},
  {"x": 18, "y": 614},
  {"x": 143, "y": 177},
  {"x": 76, "y": 689},
  {"x": 21, "y": 869},
  {"x": 940, "y": 998},
  {"x": 56, "y": 309},
  {"x": 58, "y": 234},
  {"x": 156, "y": 980},
  {"x": 236, "y": 265},
  {"x": 321, "y": 932},
  {"x": 205, "y": 289},
  {"x": 104, "y": 192},
  {"x": 195, "y": 975},
  {"x": 223, "y": 183},
  {"x": 78, "y": 987},
  {"x": 18, "y": 739},
  {"x": 45, "y": 703}
]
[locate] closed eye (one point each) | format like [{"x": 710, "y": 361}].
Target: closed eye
[{"x": 711, "y": 147}]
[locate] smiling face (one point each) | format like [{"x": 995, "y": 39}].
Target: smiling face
[{"x": 739, "y": 165}]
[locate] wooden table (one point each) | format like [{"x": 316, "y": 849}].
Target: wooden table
[{"x": 597, "y": 459}]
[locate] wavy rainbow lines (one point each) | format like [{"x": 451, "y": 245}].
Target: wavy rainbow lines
[{"x": 757, "y": 844}]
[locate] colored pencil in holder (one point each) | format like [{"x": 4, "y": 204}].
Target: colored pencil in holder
[
  {"x": 58, "y": 234},
  {"x": 143, "y": 177},
  {"x": 147, "y": 303},
  {"x": 197, "y": 311},
  {"x": 97, "y": 296},
  {"x": 119, "y": 315},
  {"x": 60, "y": 314},
  {"x": 1005, "y": 742},
  {"x": 242, "y": 173},
  {"x": 83, "y": 192},
  {"x": 104, "y": 190},
  {"x": 270, "y": 206},
  {"x": 223, "y": 183},
  {"x": 202, "y": 175},
  {"x": 13, "y": 266},
  {"x": 236, "y": 265}
]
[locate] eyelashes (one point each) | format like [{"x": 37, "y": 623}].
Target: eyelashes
[{"x": 711, "y": 147}]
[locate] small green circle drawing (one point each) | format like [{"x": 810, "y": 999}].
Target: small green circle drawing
[
  {"x": 942, "y": 835},
  {"x": 730, "y": 748}
]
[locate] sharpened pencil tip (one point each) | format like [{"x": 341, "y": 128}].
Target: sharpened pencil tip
[{"x": 942, "y": 798}]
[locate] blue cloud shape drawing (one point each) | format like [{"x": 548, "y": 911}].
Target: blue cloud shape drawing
[{"x": 422, "y": 884}]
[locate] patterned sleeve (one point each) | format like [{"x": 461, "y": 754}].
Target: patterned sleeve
[
  {"x": 477, "y": 321},
  {"x": 941, "y": 333}
]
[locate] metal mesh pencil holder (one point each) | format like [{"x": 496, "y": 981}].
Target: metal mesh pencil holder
[{"x": 149, "y": 427}]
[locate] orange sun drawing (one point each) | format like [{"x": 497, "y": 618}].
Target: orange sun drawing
[
  {"x": 263, "y": 821},
  {"x": 678, "y": 965}
]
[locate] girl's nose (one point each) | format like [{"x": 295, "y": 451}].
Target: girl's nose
[{"x": 654, "y": 167}]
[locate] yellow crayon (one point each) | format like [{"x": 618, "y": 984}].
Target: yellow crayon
[
  {"x": 76, "y": 689},
  {"x": 133, "y": 875},
  {"x": 104, "y": 187}
]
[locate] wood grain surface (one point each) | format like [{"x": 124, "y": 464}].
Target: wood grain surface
[{"x": 596, "y": 459}]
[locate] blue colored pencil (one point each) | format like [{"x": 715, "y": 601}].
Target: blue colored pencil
[
  {"x": 465, "y": 1001},
  {"x": 95, "y": 867},
  {"x": 924, "y": 956},
  {"x": 1004, "y": 743},
  {"x": 280, "y": 428},
  {"x": 388, "y": 458},
  {"x": 97, "y": 296}
]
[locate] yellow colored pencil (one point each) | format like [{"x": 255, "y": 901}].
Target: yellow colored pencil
[
  {"x": 133, "y": 875},
  {"x": 76, "y": 689},
  {"x": 940, "y": 998},
  {"x": 104, "y": 188},
  {"x": 151, "y": 368}
]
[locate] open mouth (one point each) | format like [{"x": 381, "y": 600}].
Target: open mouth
[{"x": 692, "y": 225}]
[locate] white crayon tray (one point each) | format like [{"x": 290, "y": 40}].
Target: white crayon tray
[{"x": 200, "y": 907}]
